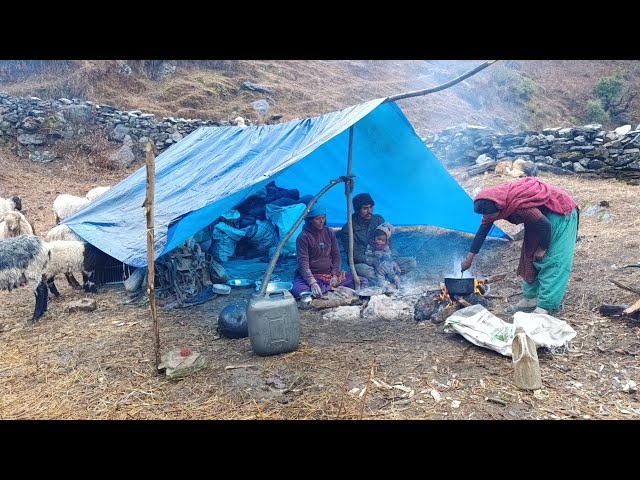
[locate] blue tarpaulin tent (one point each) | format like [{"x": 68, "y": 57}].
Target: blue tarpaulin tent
[{"x": 214, "y": 168}]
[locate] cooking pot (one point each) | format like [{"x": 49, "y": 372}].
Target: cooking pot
[{"x": 459, "y": 286}]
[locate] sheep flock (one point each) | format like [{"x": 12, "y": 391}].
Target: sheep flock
[{"x": 28, "y": 259}]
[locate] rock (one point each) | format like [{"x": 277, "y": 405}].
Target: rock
[
  {"x": 623, "y": 130},
  {"x": 82, "y": 305},
  {"x": 176, "y": 366},
  {"x": 381, "y": 307}
]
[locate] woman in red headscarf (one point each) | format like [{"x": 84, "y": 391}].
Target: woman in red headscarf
[{"x": 550, "y": 217}]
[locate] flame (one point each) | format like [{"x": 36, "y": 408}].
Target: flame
[
  {"x": 444, "y": 295},
  {"x": 476, "y": 288}
]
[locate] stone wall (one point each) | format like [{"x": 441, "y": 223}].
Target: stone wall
[
  {"x": 587, "y": 150},
  {"x": 31, "y": 125}
]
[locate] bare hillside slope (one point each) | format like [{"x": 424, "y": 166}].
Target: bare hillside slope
[{"x": 529, "y": 94}]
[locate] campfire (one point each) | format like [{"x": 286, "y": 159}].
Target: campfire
[
  {"x": 449, "y": 299},
  {"x": 438, "y": 305}
]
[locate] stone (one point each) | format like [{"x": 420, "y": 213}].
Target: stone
[{"x": 82, "y": 305}]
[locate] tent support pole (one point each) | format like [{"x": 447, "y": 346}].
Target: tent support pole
[
  {"x": 148, "y": 209},
  {"x": 418, "y": 93},
  {"x": 274, "y": 260},
  {"x": 348, "y": 188}
]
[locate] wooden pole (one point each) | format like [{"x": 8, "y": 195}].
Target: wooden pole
[
  {"x": 348, "y": 188},
  {"x": 274, "y": 260},
  {"x": 148, "y": 209},
  {"x": 418, "y": 93}
]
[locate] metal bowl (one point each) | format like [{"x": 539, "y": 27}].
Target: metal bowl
[
  {"x": 275, "y": 286},
  {"x": 240, "y": 282},
  {"x": 221, "y": 288},
  {"x": 305, "y": 300}
]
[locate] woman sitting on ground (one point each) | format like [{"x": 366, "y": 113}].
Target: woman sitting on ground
[{"x": 319, "y": 259}]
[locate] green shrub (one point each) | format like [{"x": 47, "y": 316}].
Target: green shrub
[
  {"x": 609, "y": 89},
  {"x": 595, "y": 113}
]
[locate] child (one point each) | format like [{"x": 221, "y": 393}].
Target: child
[{"x": 378, "y": 255}]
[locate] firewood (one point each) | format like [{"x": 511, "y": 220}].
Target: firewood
[
  {"x": 632, "y": 309},
  {"x": 612, "y": 310},
  {"x": 621, "y": 310},
  {"x": 322, "y": 303},
  {"x": 492, "y": 278},
  {"x": 463, "y": 302},
  {"x": 445, "y": 313}
]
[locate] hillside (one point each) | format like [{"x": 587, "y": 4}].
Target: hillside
[{"x": 517, "y": 95}]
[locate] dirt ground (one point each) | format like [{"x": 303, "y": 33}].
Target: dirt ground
[{"x": 101, "y": 364}]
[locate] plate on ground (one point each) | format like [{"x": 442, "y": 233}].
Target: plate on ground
[{"x": 240, "y": 282}]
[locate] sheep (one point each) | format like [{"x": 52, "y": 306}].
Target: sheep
[
  {"x": 62, "y": 232},
  {"x": 522, "y": 168},
  {"x": 10, "y": 204},
  {"x": 23, "y": 259},
  {"x": 72, "y": 256},
  {"x": 96, "y": 192},
  {"x": 240, "y": 122},
  {"x": 65, "y": 205},
  {"x": 13, "y": 224},
  {"x": 501, "y": 166}
]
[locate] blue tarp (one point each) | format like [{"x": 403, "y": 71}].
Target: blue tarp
[{"x": 214, "y": 168}]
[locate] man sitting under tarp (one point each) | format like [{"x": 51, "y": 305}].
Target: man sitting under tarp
[{"x": 364, "y": 224}]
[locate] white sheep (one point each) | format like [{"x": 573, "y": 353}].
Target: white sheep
[
  {"x": 23, "y": 260},
  {"x": 13, "y": 224},
  {"x": 96, "y": 192},
  {"x": 65, "y": 205},
  {"x": 72, "y": 256},
  {"x": 240, "y": 122},
  {"x": 10, "y": 204},
  {"x": 62, "y": 232}
]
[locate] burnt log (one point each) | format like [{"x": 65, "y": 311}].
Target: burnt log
[
  {"x": 425, "y": 307},
  {"x": 446, "y": 312},
  {"x": 474, "y": 299},
  {"x": 622, "y": 310},
  {"x": 483, "y": 167}
]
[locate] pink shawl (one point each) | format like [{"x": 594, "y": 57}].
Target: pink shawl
[{"x": 527, "y": 192}]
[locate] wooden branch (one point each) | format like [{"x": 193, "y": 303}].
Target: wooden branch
[
  {"x": 367, "y": 386},
  {"x": 348, "y": 188},
  {"x": 623, "y": 286},
  {"x": 148, "y": 208},
  {"x": 492, "y": 278},
  {"x": 427, "y": 91}
]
